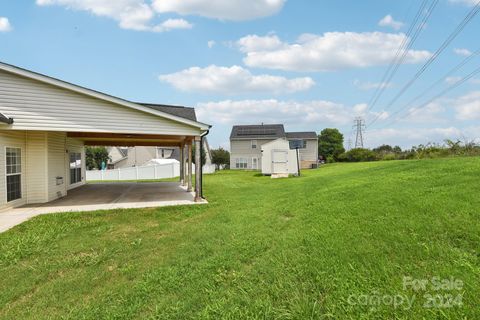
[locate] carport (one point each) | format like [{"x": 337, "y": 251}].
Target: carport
[{"x": 45, "y": 125}]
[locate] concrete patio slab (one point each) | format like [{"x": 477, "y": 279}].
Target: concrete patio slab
[{"x": 105, "y": 196}]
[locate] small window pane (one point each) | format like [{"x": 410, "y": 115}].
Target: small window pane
[
  {"x": 75, "y": 167},
  {"x": 14, "y": 187},
  {"x": 13, "y": 160}
]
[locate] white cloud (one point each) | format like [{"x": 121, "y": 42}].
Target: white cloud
[
  {"x": 433, "y": 112},
  {"x": 327, "y": 52},
  {"x": 388, "y": 21},
  {"x": 253, "y": 43},
  {"x": 211, "y": 44},
  {"x": 130, "y": 14},
  {"x": 466, "y": 2},
  {"x": 371, "y": 85},
  {"x": 452, "y": 80},
  {"x": 172, "y": 24},
  {"x": 462, "y": 52},
  {"x": 5, "y": 25},
  {"x": 467, "y": 107},
  {"x": 474, "y": 81},
  {"x": 233, "y": 80},
  {"x": 236, "y": 10},
  {"x": 310, "y": 113},
  {"x": 298, "y": 114}
]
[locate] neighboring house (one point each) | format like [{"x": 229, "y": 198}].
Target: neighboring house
[
  {"x": 45, "y": 124},
  {"x": 246, "y": 143},
  {"x": 121, "y": 157},
  {"x": 118, "y": 157}
]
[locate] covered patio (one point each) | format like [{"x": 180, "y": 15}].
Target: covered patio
[
  {"x": 184, "y": 143},
  {"x": 105, "y": 196},
  {"x": 46, "y": 125}
]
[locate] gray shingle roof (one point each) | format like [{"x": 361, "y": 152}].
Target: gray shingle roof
[
  {"x": 262, "y": 131},
  {"x": 5, "y": 119},
  {"x": 302, "y": 135},
  {"x": 179, "y": 111}
]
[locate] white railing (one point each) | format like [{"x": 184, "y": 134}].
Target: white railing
[{"x": 161, "y": 171}]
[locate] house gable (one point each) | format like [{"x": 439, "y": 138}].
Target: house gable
[{"x": 36, "y": 100}]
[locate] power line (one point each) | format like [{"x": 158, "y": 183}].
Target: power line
[
  {"x": 439, "y": 81},
  {"x": 472, "y": 13},
  {"x": 450, "y": 88},
  {"x": 402, "y": 51}
]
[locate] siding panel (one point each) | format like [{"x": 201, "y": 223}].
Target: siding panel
[
  {"x": 56, "y": 165},
  {"x": 38, "y": 106},
  {"x": 36, "y": 167}
]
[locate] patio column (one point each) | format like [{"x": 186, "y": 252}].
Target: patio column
[
  {"x": 189, "y": 167},
  {"x": 182, "y": 164},
  {"x": 198, "y": 169}
]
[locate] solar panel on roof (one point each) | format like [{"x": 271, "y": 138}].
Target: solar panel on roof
[{"x": 256, "y": 132}]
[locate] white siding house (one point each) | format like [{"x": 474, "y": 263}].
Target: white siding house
[
  {"x": 46, "y": 123},
  {"x": 246, "y": 142}
]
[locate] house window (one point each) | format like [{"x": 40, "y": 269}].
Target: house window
[
  {"x": 304, "y": 146},
  {"x": 14, "y": 173},
  {"x": 254, "y": 144},
  {"x": 75, "y": 167},
  {"x": 241, "y": 163}
]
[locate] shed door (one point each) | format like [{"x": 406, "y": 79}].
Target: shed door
[{"x": 279, "y": 161}]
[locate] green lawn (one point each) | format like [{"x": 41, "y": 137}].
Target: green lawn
[{"x": 301, "y": 248}]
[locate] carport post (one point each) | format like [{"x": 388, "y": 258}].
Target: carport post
[
  {"x": 182, "y": 164},
  {"x": 189, "y": 152},
  {"x": 198, "y": 170}
]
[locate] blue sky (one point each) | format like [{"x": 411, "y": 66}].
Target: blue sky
[{"x": 307, "y": 64}]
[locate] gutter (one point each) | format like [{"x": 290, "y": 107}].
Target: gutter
[
  {"x": 203, "y": 135},
  {"x": 6, "y": 120}
]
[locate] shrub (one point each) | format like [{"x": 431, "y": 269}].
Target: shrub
[{"x": 358, "y": 155}]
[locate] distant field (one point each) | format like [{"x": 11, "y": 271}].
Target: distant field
[{"x": 335, "y": 243}]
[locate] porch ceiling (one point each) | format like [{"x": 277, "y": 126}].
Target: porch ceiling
[{"x": 128, "y": 140}]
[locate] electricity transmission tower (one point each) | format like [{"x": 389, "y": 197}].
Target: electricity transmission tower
[{"x": 359, "y": 126}]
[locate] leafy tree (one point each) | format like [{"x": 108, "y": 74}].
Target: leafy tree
[
  {"x": 358, "y": 155},
  {"x": 220, "y": 157},
  {"x": 330, "y": 144},
  {"x": 95, "y": 156},
  {"x": 385, "y": 148}
]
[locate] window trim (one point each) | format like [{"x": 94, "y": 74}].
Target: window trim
[
  {"x": 13, "y": 174},
  {"x": 254, "y": 144},
  {"x": 238, "y": 163}
]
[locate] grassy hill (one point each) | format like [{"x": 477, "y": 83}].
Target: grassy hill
[{"x": 334, "y": 243}]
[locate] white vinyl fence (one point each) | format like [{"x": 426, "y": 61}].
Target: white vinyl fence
[{"x": 160, "y": 171}]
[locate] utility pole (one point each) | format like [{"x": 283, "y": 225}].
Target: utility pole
[
  {"x": 349, "y": 144},
  {"x": 359, "y": 126}
]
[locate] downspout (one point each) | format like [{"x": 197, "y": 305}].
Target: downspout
[{"x": 201, "y": 164}]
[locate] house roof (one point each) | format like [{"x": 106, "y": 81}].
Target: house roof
[
  {"x": 6, "y": 120},
  {"x": 262, "y": 131},
  {"x": 99, "y": 95},
  {"x": 302, "y": 135},
  {"x": 179, "y": 111}
]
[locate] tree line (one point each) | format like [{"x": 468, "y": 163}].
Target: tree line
[{"x": 331, "y": 149}]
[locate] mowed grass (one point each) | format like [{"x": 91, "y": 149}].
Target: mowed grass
[{"x": 298, "y": 248}]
